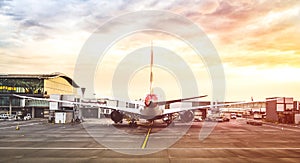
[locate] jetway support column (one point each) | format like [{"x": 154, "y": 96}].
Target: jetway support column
[
  {"x": 99, "y": 113},
  {"x": 32, "y": 112},
  {"x": 10, "y": 106}
]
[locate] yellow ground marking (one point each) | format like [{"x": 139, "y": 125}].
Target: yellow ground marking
[{"x": 146, "y": 139}]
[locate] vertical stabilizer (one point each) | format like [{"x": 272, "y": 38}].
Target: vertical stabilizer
[{"x": 151, "y": 65}]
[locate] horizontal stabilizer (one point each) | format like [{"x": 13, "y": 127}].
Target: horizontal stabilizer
[{"x": 178, "y": 100}]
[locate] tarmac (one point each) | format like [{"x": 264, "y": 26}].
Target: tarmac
[{"x": 98, "y": 140}]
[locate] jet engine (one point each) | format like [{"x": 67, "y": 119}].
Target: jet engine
[
  {"x": 187, "y": 116},
  {"x": 116, "y": 116}
]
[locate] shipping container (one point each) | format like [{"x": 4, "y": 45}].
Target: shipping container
[
  {"x": 288, "y": 100},
  {"x": 280, "y": 110},
  {"x": 60, "y": 117},
  {"x": 297, "y": 118},
  {"x": 296, "y": 106}
]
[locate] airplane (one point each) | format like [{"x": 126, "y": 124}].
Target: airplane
[{"x": 149, "y": 108}]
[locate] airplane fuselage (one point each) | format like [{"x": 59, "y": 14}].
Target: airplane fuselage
[
  {"x": 151, "y": 108},
  {"x": 151, "y": 112}
]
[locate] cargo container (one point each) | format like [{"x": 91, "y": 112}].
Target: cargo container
[
  {"x": 60, "y": 117},
  {"x": 280, "y": 109},
  {"x": 297, "y": 118}
]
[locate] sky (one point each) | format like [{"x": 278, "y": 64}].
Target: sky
[{"x": 256, "y": 40}]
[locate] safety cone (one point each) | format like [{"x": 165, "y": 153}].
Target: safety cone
[{"x": 17, "y": 127}]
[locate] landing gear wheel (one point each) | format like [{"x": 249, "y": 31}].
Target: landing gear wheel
[
  {"x": 133, "y": 124},
  {"x": 118, "y": 122}
]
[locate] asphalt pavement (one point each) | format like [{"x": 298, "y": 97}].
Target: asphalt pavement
[{"x": 98, "y": 140}]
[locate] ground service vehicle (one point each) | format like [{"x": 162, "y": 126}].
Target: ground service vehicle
[{"x": 232, "y": 116}]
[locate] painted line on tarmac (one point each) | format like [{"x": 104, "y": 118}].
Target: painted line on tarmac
[
  {"x": 282, "y": 128},
  {"x": 103, "y": 148},
  {"x": 21, "y": 125},
  {"x": 146, "y": 139}
]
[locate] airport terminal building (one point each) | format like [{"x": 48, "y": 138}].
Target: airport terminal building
[{"x": 34, "y": 85}]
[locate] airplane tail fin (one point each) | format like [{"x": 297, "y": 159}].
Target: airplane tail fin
[{"x": 151, "y": 72}]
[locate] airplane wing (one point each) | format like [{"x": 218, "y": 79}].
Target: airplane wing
[
  {"x": 176, "y": 110},
  {"x": 178, "y": 100},
  {"x": 124, "y": 109},
  {"x": 46, "y": 99}
]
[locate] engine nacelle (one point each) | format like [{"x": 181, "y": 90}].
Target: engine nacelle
[
  {"x": 116, "y": 116},
  {"x": 187, "y": 116}
]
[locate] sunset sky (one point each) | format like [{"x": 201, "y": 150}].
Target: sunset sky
[{"x": 257, "y": 41}]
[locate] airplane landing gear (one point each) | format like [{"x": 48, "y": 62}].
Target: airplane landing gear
[
  {"x": 170, "y": 123},
  {"x": 168, "y": 119},
  {"x": 133, "y": 123}
]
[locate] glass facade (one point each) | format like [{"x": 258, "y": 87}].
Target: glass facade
[
  {"x": 21, "y": 85},
  {"x": 4, "y": 101}
]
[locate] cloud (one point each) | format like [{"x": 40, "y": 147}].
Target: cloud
[
  {"x": 264, "y": 59},
  {"x": 37, "y": 20},
  {"x": 231, "y": 16},
  {"x": 245, "y": 25},
  {"x": 215, "y": 16},
  {"x": 32, "y": 23},
  {"x": 261, "y": 33}
]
